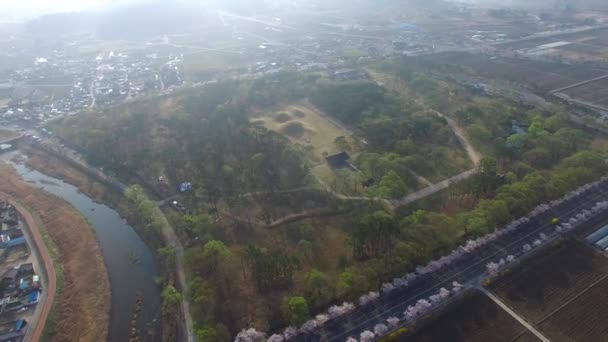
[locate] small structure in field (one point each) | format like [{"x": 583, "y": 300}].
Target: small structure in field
[{"x": 339, "y": 161}]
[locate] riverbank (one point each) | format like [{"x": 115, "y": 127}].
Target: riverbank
[
  {"x": 56, "y": 168},
  {"x": 81, "y": 310}
]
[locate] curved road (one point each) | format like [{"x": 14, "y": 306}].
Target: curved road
[{"x": 35, "y": 334}]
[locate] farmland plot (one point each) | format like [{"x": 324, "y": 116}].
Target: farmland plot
[
  {"x": 550, "y": 280},
  {"x": 477, "y": 319},
  {"x": 583, "y": 319}
]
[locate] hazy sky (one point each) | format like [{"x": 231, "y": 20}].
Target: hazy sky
[{"x": 19, "y": 9}]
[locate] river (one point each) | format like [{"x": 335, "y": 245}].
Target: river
[{"x": 131, "y": 266}]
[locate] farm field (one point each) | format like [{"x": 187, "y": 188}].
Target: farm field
[
  {"x": 595, "y": 93},
  {"x": 526, "y": 337},
  {"x": 583, "y": 319},
  {"x": 594, "y": 36},
  {"x": 477, "y": 319},
  {"x": 550, "y": 280},
  {"x": 537, "y": 75}
]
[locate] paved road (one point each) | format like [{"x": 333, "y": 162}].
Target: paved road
[
  {"x": 35, "y": 333},
  {"x": 514, "y": 315},
  {"x": 468, "y": 270}
]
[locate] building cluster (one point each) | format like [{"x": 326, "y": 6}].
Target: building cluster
[
  {"x": 20, "y": 285},
  {"x": 61, "y": 85}
]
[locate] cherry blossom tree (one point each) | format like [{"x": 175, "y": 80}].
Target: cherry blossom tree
[
  {"x": 393, "y": 322},
  {"x": 335, "y": 310},
  {"x": 367, "y": 336},
  {"x": 380, "y": 329},
  {"x": 309, "y": 326},
  {"x": 290, "y": 332},
  {"x": 250, "y": 335},
  {"x": 368, "y": 298},
  {"x": 275, "y": 338},
  {"x": 492, "y": 268}
]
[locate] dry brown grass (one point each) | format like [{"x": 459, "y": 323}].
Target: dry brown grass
[
  {"x": 58, "y": 169},
  {"x": 83, "y": 314},
  {"x": 7, "y": 134}
]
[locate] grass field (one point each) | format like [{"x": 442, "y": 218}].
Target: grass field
[
  {"x": 477, "y": 319},
  {"x": 546, "y": 282},
  {"x": 307, "y": 127}
]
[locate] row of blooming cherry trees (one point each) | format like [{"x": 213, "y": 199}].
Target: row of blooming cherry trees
[{"x": 424, "y": 306}]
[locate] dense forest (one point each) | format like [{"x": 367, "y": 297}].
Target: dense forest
[{"x": 245, "y": 269}]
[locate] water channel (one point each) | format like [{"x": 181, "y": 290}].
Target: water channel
[{"x": 131, "y": 265}]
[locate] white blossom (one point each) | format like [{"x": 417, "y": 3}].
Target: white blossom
[
  {"x": 367, "y": 336},
  {"x": 492, "y": 268},
  {"x": 400, "y": 282},
  {"x": 309, "y": 326},
  {"x": 250, "y": 335},
  {"x": 368, "y": 298},
  {"x": 387, "y": 287},
  {"x": 321, "y": 319},
  {"x": 380, "y": 329},
  {"x": 290, "y": 332},
  {"x": 336, "y": 310},
  {"x": 275, "y": 338},
  {"x": 393, "y": 322}
]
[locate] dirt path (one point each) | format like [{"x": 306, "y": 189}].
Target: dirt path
[
  {"x": 474, "y": 155},
  {"x": 50, "y": 288},
  {"x": 173, "y": 241}
]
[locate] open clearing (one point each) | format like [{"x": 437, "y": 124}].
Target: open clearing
[
  {"x": 477, "y": 319},
  {"x": 306, "y": 126},
  {"x": 548, "y": 281}
]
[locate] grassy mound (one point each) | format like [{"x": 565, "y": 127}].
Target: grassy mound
[
  {"x": 282, "y": 117},
  {"x": 294, "y": 129},
  {"x": 299, "y": 114}
]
